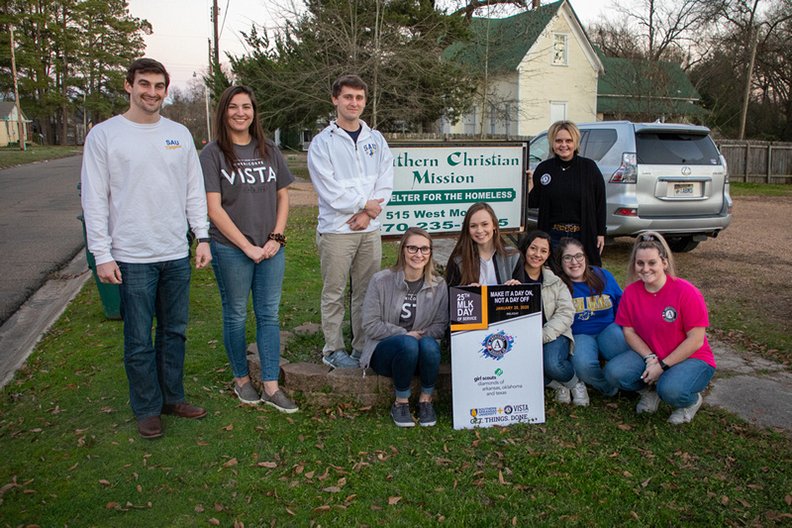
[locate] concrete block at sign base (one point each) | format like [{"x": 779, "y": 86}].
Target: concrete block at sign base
[
  {"x": 352, "y": 381},
  {"x": 305, "y": 377}
]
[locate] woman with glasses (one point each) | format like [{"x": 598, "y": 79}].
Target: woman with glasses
[
  {"x": 480, "y": 256},
  {"x": 246, "y": 180},
  {"x": 557, "y": 315},
  {"x": 569, "y": 191},
  {"x": 595, "y": 295},
  {"x": 665, "y": 322},
  {"x": 405, "y": 314}
]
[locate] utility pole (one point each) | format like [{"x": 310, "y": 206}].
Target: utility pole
[
  {"x": 20, "y": 123},
  {"x": 215, "y": 24}
]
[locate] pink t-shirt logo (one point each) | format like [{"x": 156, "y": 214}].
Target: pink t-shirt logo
[{"x": 669, "y": 314}]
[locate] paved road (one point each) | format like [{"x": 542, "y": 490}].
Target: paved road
[{"x": 39, "y": 230}]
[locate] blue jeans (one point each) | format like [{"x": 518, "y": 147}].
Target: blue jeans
[
  {"x": 590, "y": 349},
  {"x": 678, "y": 386},
  {"x": 155, "y": 371},
  {"x": 237, "y": 276},
  {"x": 401, "y": 356},
  {"x": 557, "y": 365}
]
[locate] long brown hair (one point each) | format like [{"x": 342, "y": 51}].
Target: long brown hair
[
  {"x": 467, "y": 249},
  {"x": 650, "y": 240},
  {"x": 401, "y": 260},
  {"x": 592, "y": 279},
  {"x": 221, "y": 126}
]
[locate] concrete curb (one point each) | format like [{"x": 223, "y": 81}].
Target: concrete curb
[{"x": 20, "y": 333}]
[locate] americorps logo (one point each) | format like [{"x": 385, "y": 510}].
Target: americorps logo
[{"x": 497, "y": 345}]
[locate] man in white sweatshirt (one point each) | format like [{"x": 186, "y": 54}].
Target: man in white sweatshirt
[
  {"x": 141, "y": 187},
  {"x": 351, "y": 168}
]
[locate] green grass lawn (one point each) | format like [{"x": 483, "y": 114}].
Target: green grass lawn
[
  {"x": 72, "y": 455},
  {"x": 11, "y": 156},
  {"x": 737, "y": 189}
]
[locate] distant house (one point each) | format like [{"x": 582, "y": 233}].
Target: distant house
[
  {"x": 540, "y": 66},
  {"x": 642, "y": 90},
  {"x": 9, "y": 129}
]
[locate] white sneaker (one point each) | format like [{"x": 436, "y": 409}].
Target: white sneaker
[
  {"x": 580, "y": 395},
  {"x": 562, "y": 394},
  {"x": 648, "y": 403},
  {"x": 685, "y": 414}
]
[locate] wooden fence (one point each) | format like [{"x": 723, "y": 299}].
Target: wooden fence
[{"x": 757, "y": 161}]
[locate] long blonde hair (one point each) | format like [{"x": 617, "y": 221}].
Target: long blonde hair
[{"x": 650, "y": 240}]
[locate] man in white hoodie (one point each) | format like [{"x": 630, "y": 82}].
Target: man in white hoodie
[
  {"x": 351, "y": 168},
  {"x": 142, "y": 187}
]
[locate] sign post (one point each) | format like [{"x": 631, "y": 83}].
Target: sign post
[{"x": 496, "y": 355}]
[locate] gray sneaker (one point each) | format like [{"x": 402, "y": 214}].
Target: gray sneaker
[
  {"x": 426, "y": 414},
  {"x": 340, "y": 359},
  {"x": 280, "y": 401},
  {"x": 400, "y": 412},
  {"x": 685, "y": 414},
  {"x": 648, "y": 403},
  {"x": 247, "y": 394}
]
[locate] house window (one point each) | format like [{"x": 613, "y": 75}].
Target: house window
[
  {"x": 558, "y": 111},
  {"x": 560, "y": 49}
]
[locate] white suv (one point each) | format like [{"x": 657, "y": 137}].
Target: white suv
[{"x": 661, "y": 177}]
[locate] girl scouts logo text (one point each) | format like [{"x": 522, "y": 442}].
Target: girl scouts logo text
[{"x": 496, "y": 345}]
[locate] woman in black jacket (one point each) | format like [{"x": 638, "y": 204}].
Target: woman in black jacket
[{"x": 569, "y": 191}]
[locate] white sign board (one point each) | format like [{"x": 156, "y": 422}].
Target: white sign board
[
  {"x": 433, "y": 186},
  {"x": 496, "y": 356}
]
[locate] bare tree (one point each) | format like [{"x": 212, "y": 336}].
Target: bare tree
[{"x": 667, "y": 28}]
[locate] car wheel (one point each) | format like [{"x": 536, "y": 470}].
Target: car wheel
[{"x": 682, "y": 244}]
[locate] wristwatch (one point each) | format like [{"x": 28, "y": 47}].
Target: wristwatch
[
  {"x": 663, "y": 365},
  {"x": 202, "y": 240}
]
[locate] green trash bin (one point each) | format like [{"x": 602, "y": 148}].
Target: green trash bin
[{"x": 109, "y": 293}]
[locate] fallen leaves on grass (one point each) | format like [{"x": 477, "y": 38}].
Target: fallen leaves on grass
[
  {"x": 231, "y": 462},
  {"x": 268, "y": 464},
  {"x": 104, "y": 482},
  {"x": 393, "y": 500}
]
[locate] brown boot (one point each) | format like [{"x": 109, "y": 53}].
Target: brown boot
[
  {"x": 184, "y": 410},
  {"x": 150, "y": 427}
]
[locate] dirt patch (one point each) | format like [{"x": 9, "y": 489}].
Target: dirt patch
[
  {"x": 301, "y": 193},
  {"x": 747, "y": 268}
]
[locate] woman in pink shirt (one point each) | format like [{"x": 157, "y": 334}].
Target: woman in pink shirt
[{"x": 664, "y": 320}]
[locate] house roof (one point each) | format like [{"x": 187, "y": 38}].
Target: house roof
[
  {"x": 643, "y": 86},
  {"x": 6, "y": 108},
  {"x": 505, "y": 40}
]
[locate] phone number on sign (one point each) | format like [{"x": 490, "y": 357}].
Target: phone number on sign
[{"x": 446, "y": 225}]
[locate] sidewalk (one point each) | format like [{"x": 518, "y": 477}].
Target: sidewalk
[{"x": 20, "y": 333}]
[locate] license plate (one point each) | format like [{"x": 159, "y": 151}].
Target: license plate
[{"x": 685, "y": 190}]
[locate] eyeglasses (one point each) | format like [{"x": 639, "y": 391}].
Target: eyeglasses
[
  {"x": 412, "y": 250},
  {"x": 577, "y": 257}
]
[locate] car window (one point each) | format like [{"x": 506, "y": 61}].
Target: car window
[
  {"x": 676, "y": 149},
  {"x": 599, "y": 143},
  {"x": 539, "y": 149}
]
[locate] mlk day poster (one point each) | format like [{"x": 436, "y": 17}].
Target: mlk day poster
[{"x": 496, "y": 355}]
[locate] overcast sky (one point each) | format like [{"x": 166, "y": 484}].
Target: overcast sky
[{"x": 182, "y": 28}]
